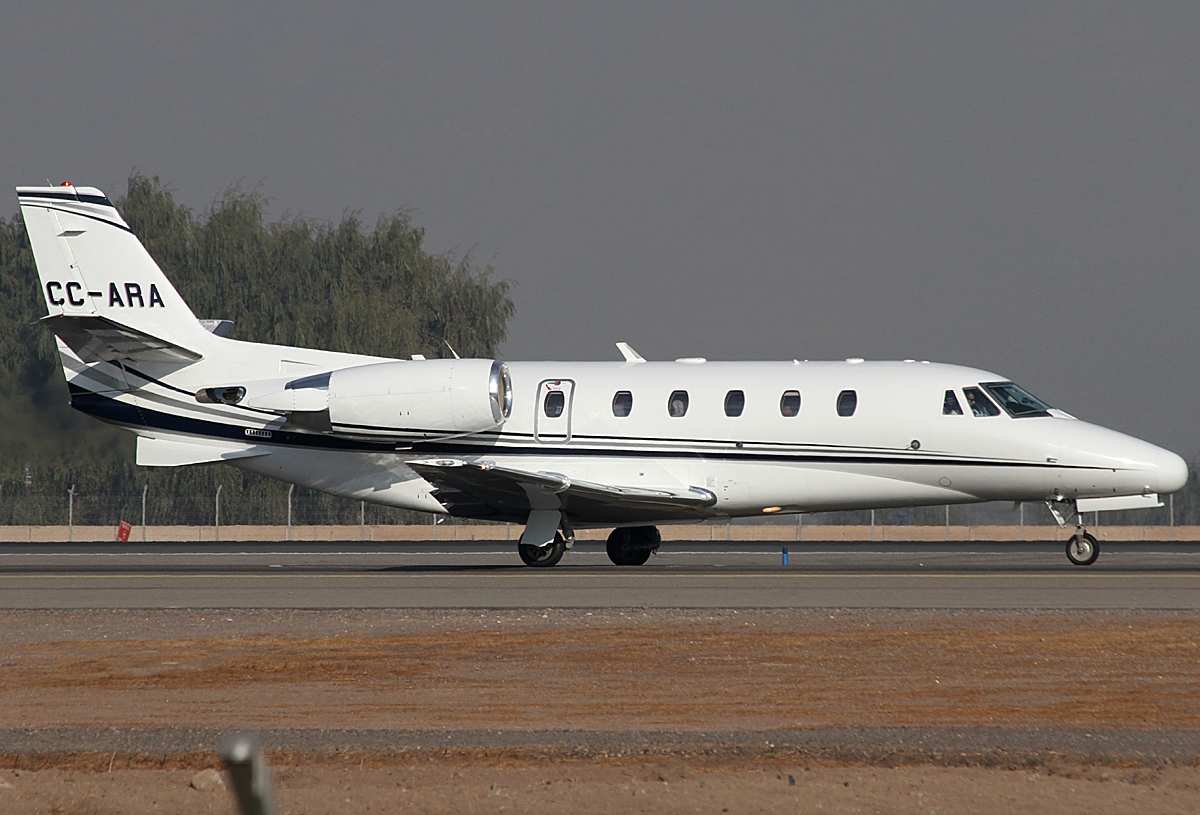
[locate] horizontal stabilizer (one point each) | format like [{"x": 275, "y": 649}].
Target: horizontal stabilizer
[
  {"x": 1118, "y": 502},
  {"x": 174, "y": 453},
  {"x": 507, "y": 492},
  {"x": 99, "y": 339}
]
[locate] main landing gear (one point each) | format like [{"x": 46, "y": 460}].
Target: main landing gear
[
  {"x": 545, "y": 556},
  {"x": 627, "y": 546},
  {"x": 632, "y": 545},
  {"x": 1082, "y": 547}
]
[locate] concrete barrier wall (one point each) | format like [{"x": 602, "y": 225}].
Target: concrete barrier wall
[{"x": 511, "y": 532}]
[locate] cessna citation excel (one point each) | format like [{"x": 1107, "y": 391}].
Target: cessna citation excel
[{"x": 557, "y": 446}]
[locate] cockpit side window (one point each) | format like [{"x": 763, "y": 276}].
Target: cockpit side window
[
  {"x": 1017, "y": 401},
  {"x": 950, "y": 405},
  {"x": 980, "y": 405}
]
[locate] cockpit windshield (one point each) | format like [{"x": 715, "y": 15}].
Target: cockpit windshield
[{"x": 1015, "y": 400}]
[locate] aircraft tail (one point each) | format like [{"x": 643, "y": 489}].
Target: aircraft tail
[{"x": 107, "y": 299}]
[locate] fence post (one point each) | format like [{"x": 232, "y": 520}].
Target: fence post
[
  {"x": 217, "y": 517},
  {"x": 799, "y": 526},
  {"x": 145, "y": 489},
  {"x": 71, "y": 514},
  {"x": 872, "y": 524},
  {"x": 291, "y": 487},
  {"x": 362, "y": 520},
  {"x": 1171, "y": 510},
  {"x": 1022, "y": 513},
  {"x": 947, "y": 522}
]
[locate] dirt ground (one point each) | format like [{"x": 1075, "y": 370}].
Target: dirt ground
[
  {"x": 439, "y": 787},
  {"x": 618, "y": 671}
]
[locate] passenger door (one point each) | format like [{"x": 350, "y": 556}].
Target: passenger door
[{"x": 552, "y": 422}]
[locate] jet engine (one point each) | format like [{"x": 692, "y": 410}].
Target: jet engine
[{"x": 395, "y": 401}]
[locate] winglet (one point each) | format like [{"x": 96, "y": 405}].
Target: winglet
[{"x": 629, "y": 354}]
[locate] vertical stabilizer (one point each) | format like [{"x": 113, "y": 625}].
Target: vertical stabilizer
[{"x": 91, "y": 265}]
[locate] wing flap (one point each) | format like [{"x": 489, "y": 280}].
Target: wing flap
[
  {"x": 512, "y": 493},
  {"x": 99, "y": 339}
]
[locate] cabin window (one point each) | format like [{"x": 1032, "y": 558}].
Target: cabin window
[
  {"x": 847, "y": 403},
  {"x": 735, "y": 403},
  {"x": 554, "y": 403},
  {"x": 950, "y": 405},
  {"x": 980, "y": 405},
  {"x": 1017, "y": 401},
  {"x": 789, "y": 403},
  {"x": 677, "y": 405},
  {"x": 622, "y": 403}
]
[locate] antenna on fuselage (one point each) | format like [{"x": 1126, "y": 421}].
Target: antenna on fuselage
[
  {"x": 630, "y": 355},
  {"x": 452, "y": 351}
]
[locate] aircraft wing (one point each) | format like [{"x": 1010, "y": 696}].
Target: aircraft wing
[
  {"x": 98, "y": 339},
  {"x": 483, "y": 487}
]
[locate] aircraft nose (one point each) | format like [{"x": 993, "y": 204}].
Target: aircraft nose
[{"x": 1172, "y": 472}]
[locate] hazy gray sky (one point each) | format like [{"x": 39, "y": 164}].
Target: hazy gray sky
[{"x": 1008, "y": 185}]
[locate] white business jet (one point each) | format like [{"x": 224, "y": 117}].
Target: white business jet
[{"x": 557, "y": 446}]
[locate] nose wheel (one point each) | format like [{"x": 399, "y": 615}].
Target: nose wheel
[{"x": 1083, "y": 548}]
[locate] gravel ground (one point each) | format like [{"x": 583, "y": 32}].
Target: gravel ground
[{"x": 106, "y": 711}]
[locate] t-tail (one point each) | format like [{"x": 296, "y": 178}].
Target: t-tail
[{"x": 106, "y": 298}]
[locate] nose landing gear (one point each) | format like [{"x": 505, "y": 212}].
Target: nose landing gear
[{"x": 1082, "y": 547}]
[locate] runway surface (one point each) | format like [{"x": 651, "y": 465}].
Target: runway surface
[{"x": 483, "y": 574}]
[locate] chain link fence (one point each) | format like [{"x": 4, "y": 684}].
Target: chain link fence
[{"x": 308, "y": 507}]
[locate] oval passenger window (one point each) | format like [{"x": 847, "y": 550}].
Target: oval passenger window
[
  {"x": 789, "y": 404},
  {"x": 847, "y": 402},
  {"x": 622, "y": 403},
  {"x": 677, "y": 405},
  {"x": 554, "y": 404},
  {"x": 735, "y": 403}
]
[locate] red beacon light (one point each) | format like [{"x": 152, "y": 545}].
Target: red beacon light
[{"x": 66, "y": 184}]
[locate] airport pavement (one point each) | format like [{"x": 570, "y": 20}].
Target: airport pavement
[{"x": 487, "y": 574}]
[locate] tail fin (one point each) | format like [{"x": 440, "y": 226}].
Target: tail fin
[{"x": 106, "y": 296}]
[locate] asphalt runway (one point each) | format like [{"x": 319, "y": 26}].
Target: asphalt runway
[{"x": 484, "y": 574}]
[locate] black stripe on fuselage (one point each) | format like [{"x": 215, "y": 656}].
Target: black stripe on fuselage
[{"x": 132, "y": 416}]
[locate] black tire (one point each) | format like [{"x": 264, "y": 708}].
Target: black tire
[
  {"x": 543, "y": 557},
  {"x": 632, "y": 546},
  {"x": 1083, "y": 551}
]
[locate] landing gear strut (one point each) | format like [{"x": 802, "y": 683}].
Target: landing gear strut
[
  {"x": 632, "y": 545},
  {"x": 1082, "y": 547}
]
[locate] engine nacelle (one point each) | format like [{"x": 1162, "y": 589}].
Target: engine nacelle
[
  {"x": 431, "y": 399},
  {"x": 394, "y": 401}
]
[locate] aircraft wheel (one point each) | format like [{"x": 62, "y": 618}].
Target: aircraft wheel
[
  {"x": 1082, "y": 550},
  {"x": 543, "y": 556},
  {"x": 632, "y": 546}
]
